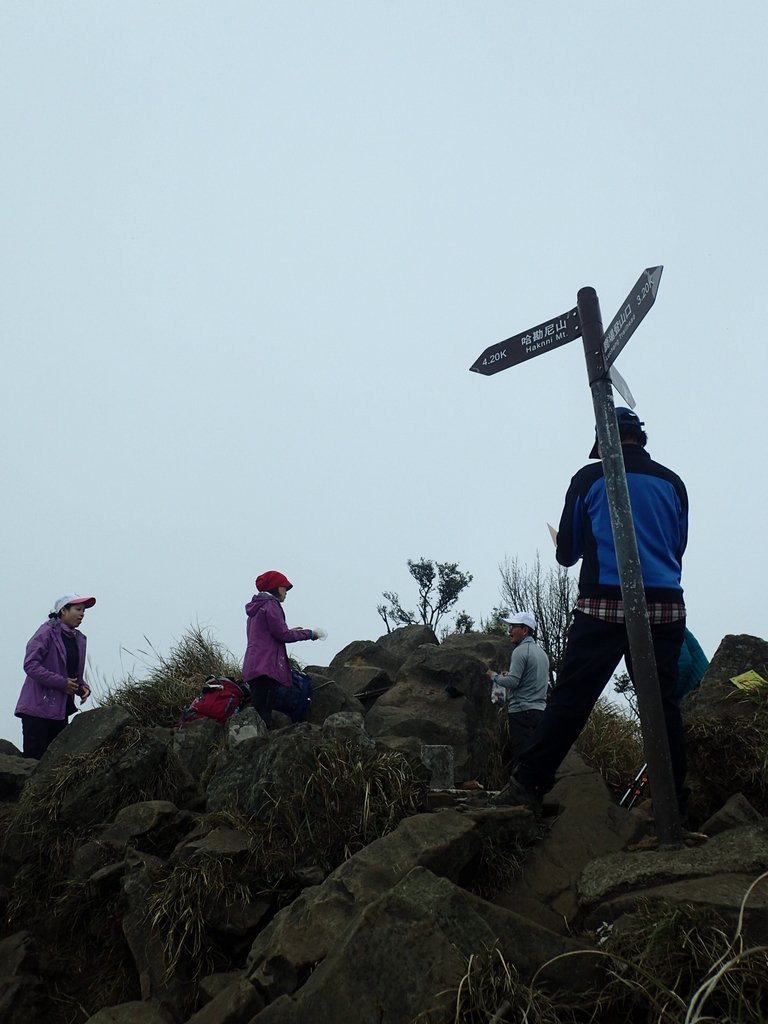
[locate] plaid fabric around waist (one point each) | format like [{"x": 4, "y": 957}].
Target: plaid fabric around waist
[{"x": 660, "y": 613}]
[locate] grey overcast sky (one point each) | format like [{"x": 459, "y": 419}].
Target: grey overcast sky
[{"x": 250, "y": 250}]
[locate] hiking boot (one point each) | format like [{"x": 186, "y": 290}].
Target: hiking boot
[{"x": 515, "y": 794}]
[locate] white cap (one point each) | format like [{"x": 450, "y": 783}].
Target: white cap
[
  {"x": 521, "y": 619},
  {"x": 61, "y": 602}
]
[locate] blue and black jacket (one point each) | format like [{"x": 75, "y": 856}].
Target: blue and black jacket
[{"x": 659, "y": 504}]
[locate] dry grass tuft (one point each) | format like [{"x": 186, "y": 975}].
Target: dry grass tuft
[
  {"x": 177, "y": 907},
  {"x": 490, "y": 992},
  {"x": 498, "y": 766},
  {"x": 91, "y": 965},
  {"x": 731, "y": 757},
  {"x": 500, "y": 862},
  {"x": 348, "y": 798},
  {"x": 37, "y": 824},
  {"x": 611, "y": 743},
  {"x": 174, "y": 680},
  {"x": 672, "y": 964},
  {"x": 675, "y": 960}
]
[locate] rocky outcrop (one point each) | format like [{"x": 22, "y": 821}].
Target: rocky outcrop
[
  {"x": 446, "y": 925},
  {"x": 302, "y": 935},
  {"x": 728, "y": 730},
  {"x": 14, "y": 773},
  {"x": 21, "y": 989},
  {"x": 140, "y": 843},
  {"x": 441, "y": 696},
  {"x": 365, "y": 669},
  {"x": 588, "y": 825}
]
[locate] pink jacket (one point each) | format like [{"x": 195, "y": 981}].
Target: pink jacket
[
  {"x": 267, "y": 635},
  {"x": 44, "y": 693}
]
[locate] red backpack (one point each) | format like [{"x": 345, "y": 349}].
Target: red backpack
[{"x": 219, "y": 699}]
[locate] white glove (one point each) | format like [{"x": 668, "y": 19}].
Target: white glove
[{"x": 319, "y": 634}]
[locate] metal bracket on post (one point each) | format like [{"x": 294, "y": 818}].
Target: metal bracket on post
[{"x": 630, "y": 576}]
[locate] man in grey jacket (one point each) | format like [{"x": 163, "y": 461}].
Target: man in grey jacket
[{"x": 523, "y": 689}]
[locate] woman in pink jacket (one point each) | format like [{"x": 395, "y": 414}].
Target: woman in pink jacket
[
  {"x": 54, "y": 663},
  {"x": 266, "y": 664}
]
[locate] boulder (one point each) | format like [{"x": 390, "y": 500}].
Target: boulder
[
  {"x": 22, "y": 995},
  {"x": 301, "y": 935},
  {"x": 589, "y": 824},
  {"x": 247, "y": 725},
  {"x": 328, "y": 698},
  {"x": 139, "y": 1011},
  {"x": 441, "y": 696},
  {"x": 14, "y": 772},
  {"x": 740, "y": 851},
  {"x": 145, "y": 941},
  {"x": 212, "y": 984},
  {"x": 736, "y": 654},
  {"x": 10, "y": 749},
  {"x": 727, "y": 732},
  {"x": 400, "y": 643},
  {"x": 112, "y": 771},
  {"x": 494, "y": 651},
  {"x": 135, "y": 768},
  {"x": 217, "y": 842},
  {"x": 88, "y": 732},
  {"x": 194, "y": 748},
  {"x": 722, "y": 893},
  {"x": 154, "y": 826},
  {"x": 272, "y": 764},
  {"x": 447, "y": 925},
  {"x": 230, "y": 847},
  {"x": 347, "y": 727},
  {"x": 364, "y": 668},
  {"x": 736, "y": 811},
  {"x": 235, "y": 1004}
]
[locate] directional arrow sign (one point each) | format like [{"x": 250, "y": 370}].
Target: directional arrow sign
[
  {"x": 546, "y": 336},
  {"x": 631, "y": 314}
]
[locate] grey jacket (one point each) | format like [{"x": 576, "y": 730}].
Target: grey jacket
[{"x": 528, "y": 677}]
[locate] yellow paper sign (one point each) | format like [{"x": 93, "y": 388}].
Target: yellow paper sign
[{"x": 749, "y": 681}]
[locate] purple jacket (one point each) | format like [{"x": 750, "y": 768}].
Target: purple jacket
[
  {"x": 267, "y": 635},
  {"x": 44, "y": 693}
]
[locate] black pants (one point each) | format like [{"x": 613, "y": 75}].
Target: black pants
[
  {"x": 38, "y": 734},
  {"x": 263, "y": 696},
  {"x": 522, "y": 725},
  {"x": 593, "y": 651}
]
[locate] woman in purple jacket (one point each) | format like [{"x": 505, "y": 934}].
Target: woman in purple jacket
[
  {"x": 266, "y": 664},
  {"x": 54, "y": 663}
]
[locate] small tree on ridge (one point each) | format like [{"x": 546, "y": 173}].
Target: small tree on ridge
[{"x": 440, "y": 584}]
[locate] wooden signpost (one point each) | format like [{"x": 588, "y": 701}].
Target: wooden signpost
[{"x": 601, "y": 347}]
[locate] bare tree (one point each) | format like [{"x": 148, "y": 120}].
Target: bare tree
[
  {"x": 625, "y": 688},
  {"x": 440, "y": 584},
  {"x": 550, "y": 594}
]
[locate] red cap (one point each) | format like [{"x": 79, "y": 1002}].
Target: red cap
[{"x": 271, "y": 580}]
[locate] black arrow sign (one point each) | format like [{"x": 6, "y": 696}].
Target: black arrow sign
[
  {"x": 534, "y": 342},
  {"x": 631, "y": 314}
]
